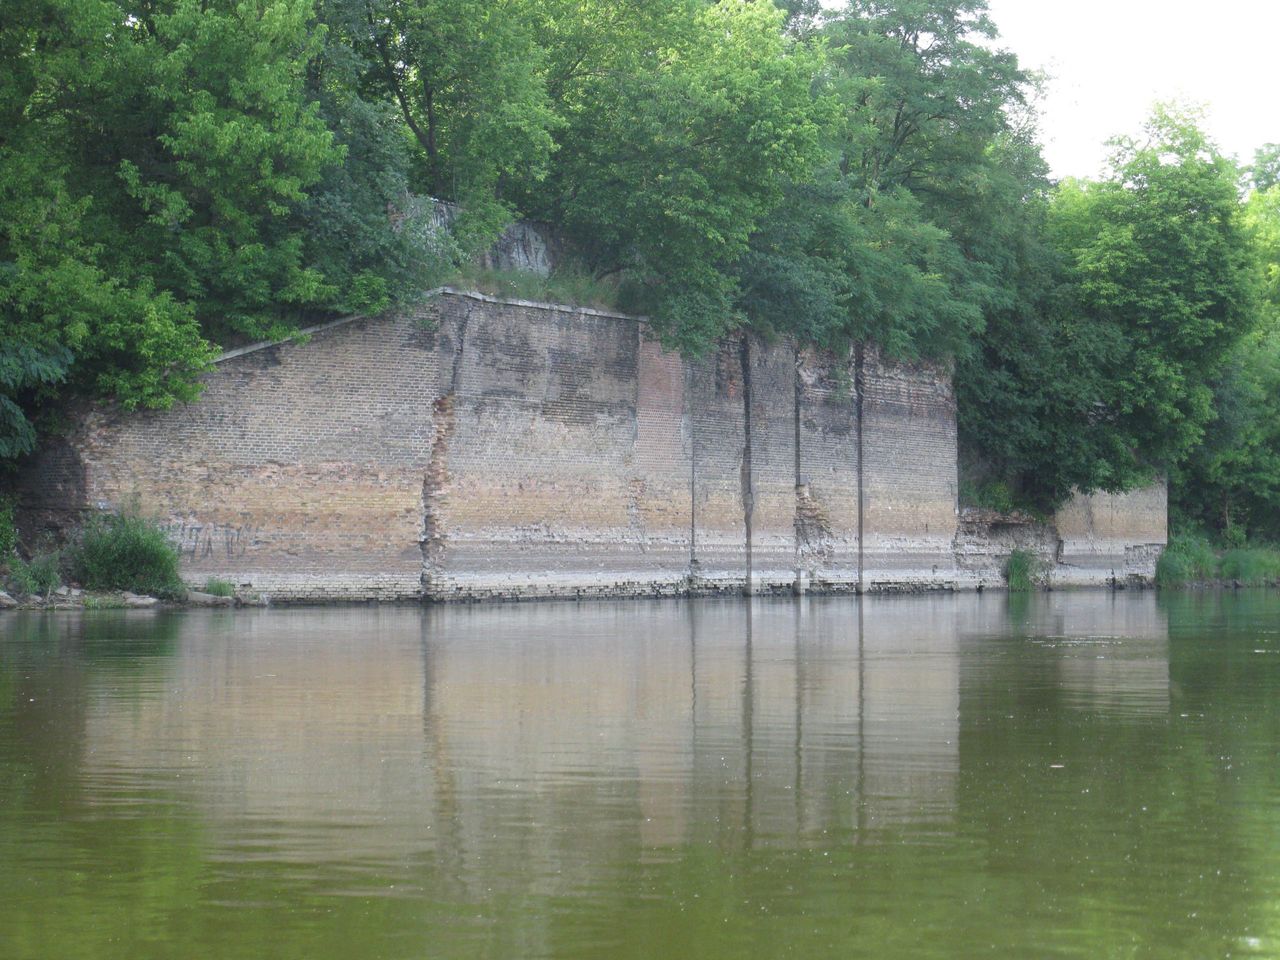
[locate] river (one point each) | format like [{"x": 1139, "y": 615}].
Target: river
[{"x": 1075, "y": 775}]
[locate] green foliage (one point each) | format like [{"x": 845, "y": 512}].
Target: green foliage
[
  {"x": 1188, "y": 558},
  {"x": 8, "y": 530},
  {"x": 344, "y": 218},
  {"x": 219, "y": 588},
  {"x": 126, "y": 552},
  {"x": 103, "y": 602},
  {"x": 1106, "y": 375},
  {"x": 467, "y": 79},
  {"x": 164, "y": 168},
  {"x": 1023, "y": 571},
  {"x": 39, "y": 576},
  {"x": 991, "y": 495},
  {"x": 900, "y": 236},
  {"x": 682, "y": 123},
  {"x": 1231, "y": 482},
  {"x": 1252, "y": 566},
  {"x": 1265, "y": 172},
  {"x": 1159, "y": 254},
  {"x": 567, "y": 283}
]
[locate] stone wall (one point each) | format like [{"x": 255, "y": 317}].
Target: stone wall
[
  {"x": 1097, "y": 540},
  {"x": 481, "y": 448}
]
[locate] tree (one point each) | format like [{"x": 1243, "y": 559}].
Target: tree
[
  {"x": 1111, "y": 379},
  {"x": 167, "y": 174},
  {"x": 681, "y": 125},
  {"x": 468, "y": 80},
  {"x": 900, "y": 236},
  {"x": 1265, "y": 171},
  {"x": 70, "y": 319},
  {"x": 1231, "y": 481}
]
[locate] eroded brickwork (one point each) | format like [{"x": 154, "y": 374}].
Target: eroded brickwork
[
  {"x": 1112, "y": 537},
  {"x": 1097, "y": 540},
  {"x": 483, "y": 449}
]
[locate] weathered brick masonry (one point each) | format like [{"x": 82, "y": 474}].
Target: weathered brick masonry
[{"x": 484, "y": 448}]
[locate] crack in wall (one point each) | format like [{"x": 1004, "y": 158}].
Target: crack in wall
[{"x": 435, "y": 479}]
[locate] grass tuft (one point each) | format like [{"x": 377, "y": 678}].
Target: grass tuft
[
  {"x": 1022, "y": 571},
  {"x": 219, "y": 588}
]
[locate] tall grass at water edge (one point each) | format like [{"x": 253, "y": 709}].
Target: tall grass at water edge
[
  {"x": 1022, "y": 571},
  {"x": 1190, "y": 558}
]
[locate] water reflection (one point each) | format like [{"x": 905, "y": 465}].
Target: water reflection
[
  {"x": 357, "y": 733},
  {"x": 938, "y": 759}
]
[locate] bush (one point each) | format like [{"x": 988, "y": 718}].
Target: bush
[
  {"x": 1022, "y": 571},
  {"x": 219, "y": 588},
  {"x": 127, "y": 552},
  {"x": 997, "y": 496},
  {"x": 1234, "y": 536},
  {"x": 1254, "y": 565},
  {"x": 37, "y": 576},
  {"x": 1187, "y": 558}
]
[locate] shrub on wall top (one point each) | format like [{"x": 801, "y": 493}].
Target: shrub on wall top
[{"x": 127, "y": 552}]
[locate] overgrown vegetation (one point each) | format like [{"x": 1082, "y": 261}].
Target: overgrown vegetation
[
  {"x": 126, "y": 552},
  {"x": 39, "y": 576},
  {"x": 1251, "y": 566},
  {"x": 1188, "y": 558},
  {"x": 219, "y": 588},
  {"x": 991, "y": 495},
  {"x": 8, "y": 531},
  {"x": 1023, "y": 571},
  {"x": 565, "y": 284},
  {"x": 181, "y": 174}
]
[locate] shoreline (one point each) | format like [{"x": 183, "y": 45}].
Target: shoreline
[{"x": 76, "y": 599}]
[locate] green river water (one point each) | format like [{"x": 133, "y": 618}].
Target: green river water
[{"x": 1083, "y": 775}]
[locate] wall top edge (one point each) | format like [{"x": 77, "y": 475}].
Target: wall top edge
[{"x": 429, "y": 295}]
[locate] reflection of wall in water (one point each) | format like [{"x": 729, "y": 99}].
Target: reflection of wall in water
[
  {"x": 278, "y": 718},
  {"x": 574, "y": 735},
  {"x": 1110, "y": 650}
]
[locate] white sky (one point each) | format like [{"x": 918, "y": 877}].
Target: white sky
[{"x": 1110, "y": 60}]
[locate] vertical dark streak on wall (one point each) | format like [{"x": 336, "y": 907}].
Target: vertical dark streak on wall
[
  {"x": 436, "y": 476},
  {"x": 748, "y": 492},
  {"x": 795, "y": 407},
  {"x": 859, "y": 389},
  {"x": 691, "y": 393}
]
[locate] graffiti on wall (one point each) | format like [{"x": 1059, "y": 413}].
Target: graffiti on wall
[{"x": 213, "y": 541}]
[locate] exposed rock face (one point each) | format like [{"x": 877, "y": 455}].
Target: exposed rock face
[{"x": 484, "y": 448}]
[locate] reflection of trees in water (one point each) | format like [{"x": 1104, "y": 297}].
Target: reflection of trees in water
[{"x": 53, "y": 667}]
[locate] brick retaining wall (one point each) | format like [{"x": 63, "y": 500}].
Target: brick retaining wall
[{"x": 480, "y": 448}]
